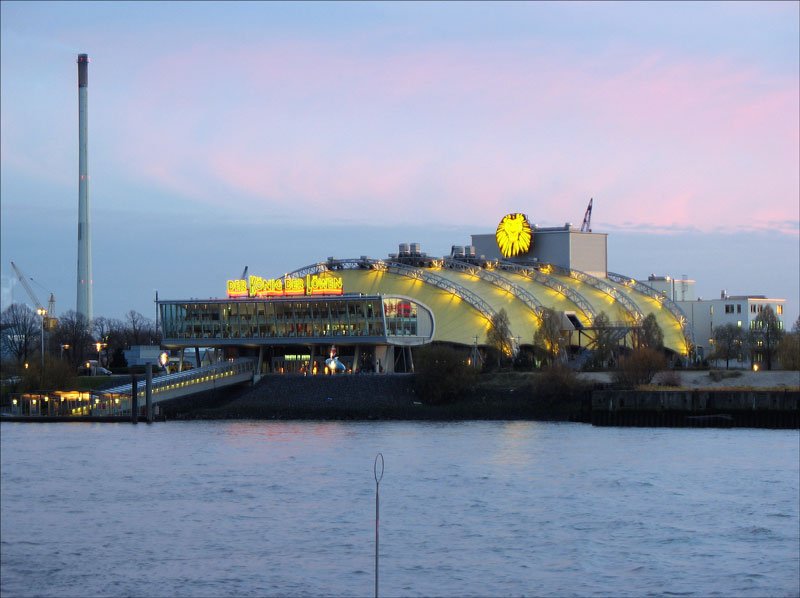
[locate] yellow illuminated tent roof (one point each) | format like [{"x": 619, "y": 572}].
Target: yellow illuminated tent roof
[{"x": 464, "y": 297}]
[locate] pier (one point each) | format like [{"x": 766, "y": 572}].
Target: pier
[
  {"x": 697, "y": 408},
  {"x": 128, "y": 402}
]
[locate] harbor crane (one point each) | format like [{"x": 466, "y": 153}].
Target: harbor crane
[
  {"x": 49, "y": 313},
  {"x": 586, "y": 227}
]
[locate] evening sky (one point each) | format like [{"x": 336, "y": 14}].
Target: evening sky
[{"x": 275, "y": 135}]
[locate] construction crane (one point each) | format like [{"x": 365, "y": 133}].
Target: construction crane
[
  {"x": 586, "y": 227},
  {"x": 50, "y": 319}
]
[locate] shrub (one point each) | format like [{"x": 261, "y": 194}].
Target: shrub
[
  {"x": 670, "y": 378},
  {"x": 556, "y": 382},
  {"x": 717, "y": 375},
  {"x": 58, "y": 375},
  {"x": 558, "y": 393},
  {"x": 639, "y": 367},
  {"x": 441, "y": 374}
]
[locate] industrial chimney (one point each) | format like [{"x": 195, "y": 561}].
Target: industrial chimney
[{"x": 84, "y": 304}]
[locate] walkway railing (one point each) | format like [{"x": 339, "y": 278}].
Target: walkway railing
[{"x": 187, "y": 382}]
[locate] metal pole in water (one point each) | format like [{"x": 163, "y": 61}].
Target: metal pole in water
[
  {"x": 378, "y": 477},
  {"x": 148, "y": 393},
  {"x": 134, "y": 400}
]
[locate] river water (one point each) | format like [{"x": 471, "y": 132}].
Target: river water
[{"x": 467, "y": 509}]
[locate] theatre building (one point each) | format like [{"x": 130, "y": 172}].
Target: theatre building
[{"x": 365, "y": 314}]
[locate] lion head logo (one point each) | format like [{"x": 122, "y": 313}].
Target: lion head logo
[{"x": 513, "y": 235}]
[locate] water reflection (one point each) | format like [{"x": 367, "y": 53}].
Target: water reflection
[{"x": 469, "y": 508}]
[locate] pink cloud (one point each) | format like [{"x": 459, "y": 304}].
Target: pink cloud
[{"x": 456, "y": 133}]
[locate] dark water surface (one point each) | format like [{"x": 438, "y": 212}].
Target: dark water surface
[{"x": 467, "y": 509}]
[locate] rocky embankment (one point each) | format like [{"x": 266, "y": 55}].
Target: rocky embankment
[
  {"x": 497, "y": 396},
  {"x": 386, "y": 397}
]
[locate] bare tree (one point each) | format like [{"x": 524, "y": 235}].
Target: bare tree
[
  {"x": 766, "y": 332},
  {"x": 604, "y": 344},
  {"x": 788, "y": 350},
  {"x": 116, "y": 339},
  {"x": 21, "y": 330},
  {"x": 499, "y": 336},
  {"x": 728, "y": 343},
  {"x": 140, "y": 328},
  {"x": 73, "y": 330},
  {"x": 651, "y": 334},
  {"x": 550, "y": 338},
  {"x": 101, "y": 327}
]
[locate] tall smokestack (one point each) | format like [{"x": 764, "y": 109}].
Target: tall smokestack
[{"x": 84, "y": 304}]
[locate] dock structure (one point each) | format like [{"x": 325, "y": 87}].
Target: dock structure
[
  {"x": 120, "y": 403},
  {"x": 697, "y": 408}
]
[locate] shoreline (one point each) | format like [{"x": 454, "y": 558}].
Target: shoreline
[{"x": 505, "y": 396}]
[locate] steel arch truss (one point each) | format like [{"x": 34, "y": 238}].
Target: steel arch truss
[
  {"x": 440, "y": 282},
  {"x": 500, "y": 282},
  {"x": 627, "y": 303},
  {"x": 552, "y": 283},
  {"x": 666, "y": 302}
]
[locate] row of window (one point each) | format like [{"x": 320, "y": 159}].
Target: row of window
[
  {"x": 287, "y": 319},
  {"x": 759, "y": 307},
  {"x": 755, "y": 308}
]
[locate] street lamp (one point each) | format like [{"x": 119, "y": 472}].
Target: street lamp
[
  {"x": 43, "y": 313},
  {"x": 100, "y": 347},
  {"x": 64, "y": 346}
]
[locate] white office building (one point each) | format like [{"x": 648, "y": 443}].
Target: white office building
[{"x": 706, "y": 315}]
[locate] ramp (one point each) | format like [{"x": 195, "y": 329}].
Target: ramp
[{"x": 182, "y": 384}]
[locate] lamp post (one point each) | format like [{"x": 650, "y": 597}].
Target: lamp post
[
  {"x": 100, "y": 346},
  {"x": 64, "y": 346},
  {"x": 42, "y": 313}
]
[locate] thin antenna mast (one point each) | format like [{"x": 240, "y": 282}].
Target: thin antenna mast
[{"x": 586, "y": 227}]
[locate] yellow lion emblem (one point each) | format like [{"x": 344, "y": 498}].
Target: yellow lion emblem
[{"x": 513, "y": 235}]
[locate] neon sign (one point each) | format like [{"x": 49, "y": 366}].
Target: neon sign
[
  {"x": 262, "y": 287},
  {"x": 237, "y": 288},
  {"x": 312, "y": 284}
]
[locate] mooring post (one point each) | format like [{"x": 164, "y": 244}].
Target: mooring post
[
  {"x": 148, "y": 392},
  {"x": 378, "y": 477},
  {"x": 134, "y": 401}
]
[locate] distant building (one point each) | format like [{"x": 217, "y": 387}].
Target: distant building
[
  {"x": 706, "y": 315},
  {"x": 675, "y": 289},
  {"x": 562, "y": 246},
  {"x": 142, "y": 355}
]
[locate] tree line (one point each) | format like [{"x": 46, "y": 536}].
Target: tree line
[
  {"x": 765, "y": 343},
  {"x": 71, "y": 338}
]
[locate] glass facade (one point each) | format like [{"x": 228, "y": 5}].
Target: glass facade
[
  {"x": 401, "y": 317},
  {"x": 272, "y": 321}
]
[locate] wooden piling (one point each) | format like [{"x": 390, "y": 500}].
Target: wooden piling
[
  {"x": 134, "y": 401},
  {"x": 148, "y": 393}
]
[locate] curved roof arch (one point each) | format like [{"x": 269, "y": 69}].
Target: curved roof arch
[{"x": 465, "y": 296}]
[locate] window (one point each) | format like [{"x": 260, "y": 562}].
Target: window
[
  {"x": 753, "y": 308},
  {"x": 779, "y": 309},
  {"x": 729, "y": 308},
  {"x": 738, "y": 308}
]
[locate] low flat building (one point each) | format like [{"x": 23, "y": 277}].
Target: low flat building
[
  {"x": 706, "y": 315},
  {"x": 139, "y": 355}
]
